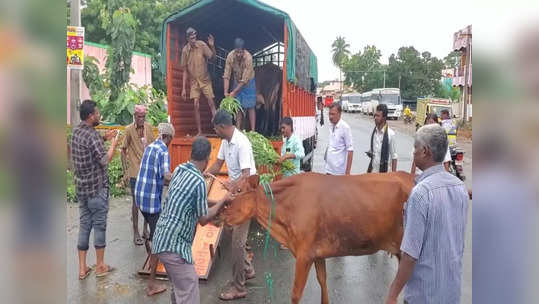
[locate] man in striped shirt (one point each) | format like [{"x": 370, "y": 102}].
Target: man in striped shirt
[
  {"x": 154, "y": 173},
  {"x": 434, "y": 228},
  {"x": 186, "y": 205}
]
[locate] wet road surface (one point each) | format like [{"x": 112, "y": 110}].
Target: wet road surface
[{"x": 363, "y": 279}]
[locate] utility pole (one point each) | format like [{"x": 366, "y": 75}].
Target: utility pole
[
  {"x": 384, "y": 79},
  {"x": 467, "y": 53},
  {"x": 399, "y": 82},
  {"x": 75, "y": 74}
]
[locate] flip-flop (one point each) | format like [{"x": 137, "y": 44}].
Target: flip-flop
[
  {"x": 105, "y": 273},
  {"x": 163, "y": 289},
  {"x": 138, "y": 241},
  {"x": 86, "y": 274}
]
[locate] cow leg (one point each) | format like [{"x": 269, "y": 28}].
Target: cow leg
[
  {"x": 302, "y": 271},
  {"x": 320, "y": 266}
]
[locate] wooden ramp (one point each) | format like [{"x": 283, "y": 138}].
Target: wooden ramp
[{"x": 206, "y": 242}]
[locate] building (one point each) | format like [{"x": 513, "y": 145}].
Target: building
[
  {"x": 333, "y": 88},
  {"x": 141, "y": 66},
  {"x": 462, "y": 78}
]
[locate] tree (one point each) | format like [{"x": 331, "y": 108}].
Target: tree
[
  {"x": 452, "y": 60},
  {"x": 417, "y": 73},
  {"x": 149, "y": 16},
  {"x": 363, "y": 71},
  {"x": 122, "y": 34},
  {"x": 341, "y": 52}
]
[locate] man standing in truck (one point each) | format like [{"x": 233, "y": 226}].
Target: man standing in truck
[
  {"x": 237, "y": 152},
  {"x": 194, "y": 62},
  {"x": 239, "y": 62}
]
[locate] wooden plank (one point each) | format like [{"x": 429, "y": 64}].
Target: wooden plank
[{"x": 206, "y": 240}]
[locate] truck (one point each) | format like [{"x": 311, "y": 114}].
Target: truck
[
  {"x": 431, "y": 105},
  {"x": 285, "y": 71},
  {"x": 286, "y": 76}
]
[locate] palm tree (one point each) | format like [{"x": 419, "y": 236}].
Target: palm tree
[{"x": 340, "y": 53}]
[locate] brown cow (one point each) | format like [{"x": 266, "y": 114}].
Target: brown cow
[{"x": 319, "y": 216}]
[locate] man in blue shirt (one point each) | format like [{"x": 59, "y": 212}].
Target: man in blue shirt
[
  {"x": 292, "y": 148},
  {"x": 186, "y": 205},
  {"x": 434, "y": 228},
  {"x": 154, "y": 173}
]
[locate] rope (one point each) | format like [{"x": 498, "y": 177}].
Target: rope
[{"x": 267, "y": 274}]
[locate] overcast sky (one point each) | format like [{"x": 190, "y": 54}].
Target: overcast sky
[{"x": 426, "y": 25}]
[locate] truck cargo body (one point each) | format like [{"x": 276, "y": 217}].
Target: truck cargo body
[{"x": 285, "y": 70}]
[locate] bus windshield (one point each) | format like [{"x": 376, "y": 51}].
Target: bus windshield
[
  {"x": 390, "y": 99},
  {"x": 354, "y": 99}
]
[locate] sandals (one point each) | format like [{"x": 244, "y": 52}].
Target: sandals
[
  {"x": 138, "y": 241},
  {"x": 105, "y": 273},
  {"x": 86, "y": 274}
]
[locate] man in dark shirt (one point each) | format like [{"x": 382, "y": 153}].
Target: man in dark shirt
[{"x": 90, "y": 162}]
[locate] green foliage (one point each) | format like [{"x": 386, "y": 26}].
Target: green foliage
[
  {"x": 92, "y": 78},
  {"x": 231, "y": 105},
  {"x": 122, "y": 34},
  {"x": 121, "y": 111},
  {"x": 149, "y": 16},
  {"x": 363, "y": 70},
  {"x": 71, "y": 195},
  {"x": 157, "y": 111},
  {"x": 340, "y": 50},
  {"x": 115, "y": 177},
  {"x": 444, "y": 91},
  {"x": 265, "y": 155},
  {"x": 419, "y": 73},
  {"x": 452, "y": 60}
]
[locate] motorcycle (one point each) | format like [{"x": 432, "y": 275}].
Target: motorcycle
[
  {"x": 457, "y": 158},
  {"x": 407, "y": 119}
]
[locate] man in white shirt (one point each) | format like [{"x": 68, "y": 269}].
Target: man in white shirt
[
  {"x": 340, "y": 151},
  {"x": 237, "y": 152},
  {"x": 382, "y": 144}
]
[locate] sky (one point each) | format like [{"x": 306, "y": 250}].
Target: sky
[{"x": 389, "y": 25}]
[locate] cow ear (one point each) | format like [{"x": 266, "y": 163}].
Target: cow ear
[{"x": 253, "y": 181}]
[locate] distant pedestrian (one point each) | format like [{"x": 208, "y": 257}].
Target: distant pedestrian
[
  {"x": 450, "y": 127},
  {"x": 90, "y": 161},
  {"x": 434, "y": 228},
  {"x": 383, "y": 148},
  {"x": 340, "y": 151},
  {"x": 186, "y": 205},
  {"x": 432, "y": 118},
  {"x": 138, "y": 136},
  {"x": 153, "y": 175}
]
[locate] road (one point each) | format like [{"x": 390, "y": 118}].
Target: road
[{"x": 350, "y": 279}]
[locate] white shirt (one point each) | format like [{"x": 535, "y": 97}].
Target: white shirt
[
  {"x": 377, "y": 148},
  {"x": 238, "y": 155},
  {"x": 340, "y": 143}
]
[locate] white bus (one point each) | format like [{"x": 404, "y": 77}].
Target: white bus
[
  {"x": 365, "y": 102},
  {"x": 389, "y": 96},
  {"x": 354, "y": 102}
]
